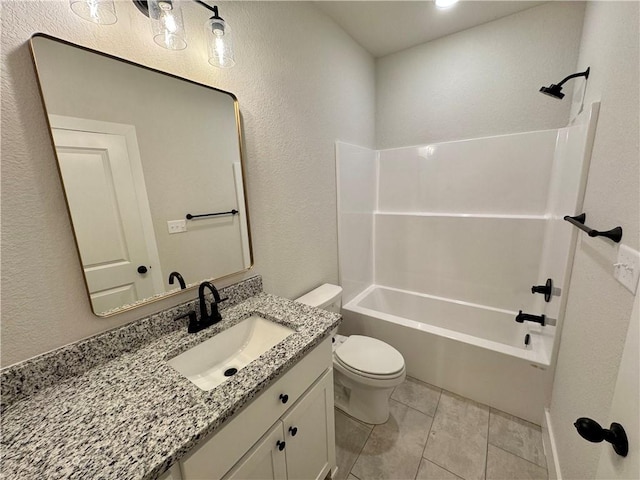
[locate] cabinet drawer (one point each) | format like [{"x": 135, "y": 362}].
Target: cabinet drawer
[{"x": 220, "y": 451}]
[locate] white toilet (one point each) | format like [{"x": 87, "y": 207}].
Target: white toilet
[{"x": 365, "y": 370}]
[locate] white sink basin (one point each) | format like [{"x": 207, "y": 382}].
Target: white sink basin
[{"x": 206, "y": 363}]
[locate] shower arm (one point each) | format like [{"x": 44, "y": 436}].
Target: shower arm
[{"x": 584, "y": 74}]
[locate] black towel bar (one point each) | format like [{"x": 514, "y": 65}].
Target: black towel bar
[
  {"x": 230, "y": 212},
  {"x": 614, "y": 234}
]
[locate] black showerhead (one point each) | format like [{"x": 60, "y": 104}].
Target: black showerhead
[{"x": 555, "y": 91}]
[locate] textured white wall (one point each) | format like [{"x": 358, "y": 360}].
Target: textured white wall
[
  {"x": 481, "y": 81},
  {"x": 301, "y": 82},
  {"x": 598, "y": 307}
]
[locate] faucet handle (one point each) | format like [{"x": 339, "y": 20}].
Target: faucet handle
[
  {"x": 191, "y": 314},
  {"x": 193, "y": 326}
]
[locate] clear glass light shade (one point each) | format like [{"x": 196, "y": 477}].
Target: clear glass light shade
[
  {"x": 167, "y": 24},
  {"x": 102, "y": 12},
  {"x": 218, "y": 35}
]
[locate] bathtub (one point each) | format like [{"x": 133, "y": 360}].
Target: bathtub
[{"x": 469, "y": 349}]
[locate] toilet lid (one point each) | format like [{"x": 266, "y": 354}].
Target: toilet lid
[{"x": 370, "y": 355}]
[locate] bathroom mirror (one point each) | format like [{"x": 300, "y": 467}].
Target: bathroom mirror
[{"x": 151, "y": 166}]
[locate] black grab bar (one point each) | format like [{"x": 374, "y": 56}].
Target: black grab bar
[
  {"x": 230, "y": 212},
  {"x": 614, "y": 234}
]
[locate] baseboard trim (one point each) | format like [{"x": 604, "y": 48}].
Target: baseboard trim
[{"x": 550, "y": 450}]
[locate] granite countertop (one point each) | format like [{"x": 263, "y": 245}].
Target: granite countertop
[{"x": 135, "y": 416}]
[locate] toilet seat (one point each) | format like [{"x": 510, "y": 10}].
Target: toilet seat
[{"x": 370, "y": 358}]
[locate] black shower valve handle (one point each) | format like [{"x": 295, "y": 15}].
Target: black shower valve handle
[{"x": 546, "y": 289}]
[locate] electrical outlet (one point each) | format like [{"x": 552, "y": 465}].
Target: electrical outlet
[
  {"x": 627, "y": 268},
  {"x": 177, "y": 226}
]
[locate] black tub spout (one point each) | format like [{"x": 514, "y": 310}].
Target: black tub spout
[{"x": 526, "y": 317}]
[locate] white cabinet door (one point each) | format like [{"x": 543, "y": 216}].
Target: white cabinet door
[
  {"x": 309, "y": 433},
  {"x": 265, "y": 461},
  {"x": 219, "y": 453}
]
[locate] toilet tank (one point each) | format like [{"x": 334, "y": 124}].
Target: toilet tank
[{"x": 327, "y": 296}]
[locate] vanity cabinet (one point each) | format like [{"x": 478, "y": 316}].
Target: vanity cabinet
[
  {"x": 300, "y": 446},
  {"x": 296, "y": 410}
]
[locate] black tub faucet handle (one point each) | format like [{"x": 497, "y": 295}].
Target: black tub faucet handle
[{"x": 546, "y": 289}]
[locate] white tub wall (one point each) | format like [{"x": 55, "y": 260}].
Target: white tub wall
[
  {"x": 506, "y": 174},
  {"x": 566, "y": 195},
  {"x": 356, "y": 178},
  {"x": 489, "y": 261},
  {"x": 488, "y": 377}
]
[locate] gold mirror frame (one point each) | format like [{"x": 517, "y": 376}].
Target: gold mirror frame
[{"x": 190, "y": 286}]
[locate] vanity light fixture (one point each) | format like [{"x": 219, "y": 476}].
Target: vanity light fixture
[
  {"x": 102, "y": 12},
  {"x": 167, "y": 25},
  {"x": 442, "y": 4},
  {"x": 169, "y": 32}
]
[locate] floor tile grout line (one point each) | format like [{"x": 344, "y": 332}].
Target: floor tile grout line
[
  {"x": 520, "y": 420},
  {"x": 435, "y": 412},
  {"x": 415, "y": 409},
  {"x": 516, "y": 455},
  {"x": 433, "y": 419},
  {"x": 437, "y": 464},
  {"x": 364, "y": 444},
  {"x": 368, "y": 426}
]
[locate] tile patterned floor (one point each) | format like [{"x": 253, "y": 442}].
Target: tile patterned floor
[{"x": 433, "y": 434}]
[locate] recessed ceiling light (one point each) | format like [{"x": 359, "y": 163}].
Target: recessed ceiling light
[{"x": 445, "y": 3}]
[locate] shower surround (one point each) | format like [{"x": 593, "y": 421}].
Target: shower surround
[{"x": 440, "y": 244}]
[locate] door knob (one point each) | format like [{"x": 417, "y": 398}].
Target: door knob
[
  {"x": 142, "y": 269},
  {"x": 592, "y": 431},
  {"x": 293, "y": 431},
  {"x": 280, "y": 445}
]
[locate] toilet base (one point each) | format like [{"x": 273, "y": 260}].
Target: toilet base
[{"x": 362, "y": 402}]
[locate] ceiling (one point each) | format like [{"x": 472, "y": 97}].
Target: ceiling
[{"x": 384, "y": 27}]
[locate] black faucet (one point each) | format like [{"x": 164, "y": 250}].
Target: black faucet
[
  {"x": 207, "y": 319},
  {"x": 526, "y": 317},
  {"x": 176, "y": 275}
]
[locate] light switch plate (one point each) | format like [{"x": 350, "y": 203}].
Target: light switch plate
[
  {"x": 177, "y": 226},
  {"x": 627, "y": 268}
]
